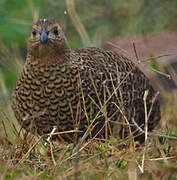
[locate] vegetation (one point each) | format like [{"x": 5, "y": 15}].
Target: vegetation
[{"x": 25, "y": 156}]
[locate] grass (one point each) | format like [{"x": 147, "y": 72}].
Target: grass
[
  {"x": 31, "y": 159},
  {"x": 25, "y": 156}
]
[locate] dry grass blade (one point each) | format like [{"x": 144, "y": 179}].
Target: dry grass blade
[
  {"x": 153, "y": 101},
  {"x": 27, "y": 154},
  {"x": 34, "y": 11},
  {"x": 139, "y": 63},
  {"x": 4, "y": 127},
  {"x": 156, "y": 57},
  {"x": 123, "y": 50},
  {"x": 70, "y": 4},
  {"x": 146, "y": 131},
  {"x": 146, "y": 115},
  {"x": 95, "y": 155},
  {"x": 3, "y": 86},
  {"x": 164, "y": 158}
]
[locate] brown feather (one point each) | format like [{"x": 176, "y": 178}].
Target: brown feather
[{"x": 67, "y": 88}]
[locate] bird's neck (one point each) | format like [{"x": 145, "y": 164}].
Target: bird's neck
[{"x": 49, "y": 55}]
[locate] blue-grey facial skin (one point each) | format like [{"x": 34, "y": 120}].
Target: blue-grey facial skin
[{"x": 44, "y": 37}]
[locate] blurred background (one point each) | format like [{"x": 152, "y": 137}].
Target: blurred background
[
  {"x": 152, "y": 25},
  {"x": 85, "y": 23}
]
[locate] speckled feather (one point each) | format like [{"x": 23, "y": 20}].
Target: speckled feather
[{"x": 66, "y": 88}]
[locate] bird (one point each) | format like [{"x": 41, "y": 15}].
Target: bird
[{"x": 80, "y": 92}]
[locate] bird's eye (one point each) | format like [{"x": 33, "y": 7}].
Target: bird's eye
[
  {"x": 55, "y": 31},
  {"x": 34, "y": 32}
]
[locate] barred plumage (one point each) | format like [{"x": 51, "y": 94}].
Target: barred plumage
[{"x": 68, "y": 88}]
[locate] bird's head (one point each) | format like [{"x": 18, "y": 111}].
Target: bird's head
[{"x": 47, "y": 39}]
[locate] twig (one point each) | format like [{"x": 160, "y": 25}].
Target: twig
[
  {"x": 156, "y": 57},
  {"x": 118, "y": 47},
  {"x": 129, "y": 55},
  {"x": 52, "y": 132},
  {"x": 65, "y": 132},
  {"x": 51, "y": 151},
  {"x": 143, "y": 60},
  {"x": 162, "y": 135},
  {"x": 134, "y": 48},
  {"x": 153, "y": 101},
  {"x": 159, "y": 159},
  {"x": 126, "y": 120},
  {"x": 149, "y": 133},
  {"x": 146, "y": 131},
  {"x": 28, "y": 117},
  {"x": 138, "y": 127},
  {"x": 51, "y": 145},
  {"x": 168, "y": 76},
  {"x": 146, "y": 115}
]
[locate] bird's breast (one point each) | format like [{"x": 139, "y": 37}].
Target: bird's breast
[{"x": 50, "y": 91}]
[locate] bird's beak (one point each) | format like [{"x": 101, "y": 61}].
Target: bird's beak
[{"x": 44, "y": 36}]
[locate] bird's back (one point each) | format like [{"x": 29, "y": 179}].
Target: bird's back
[{"x": 117, "y": 83}]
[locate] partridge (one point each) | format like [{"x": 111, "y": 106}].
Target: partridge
[{"x": 79, "y": 90}]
